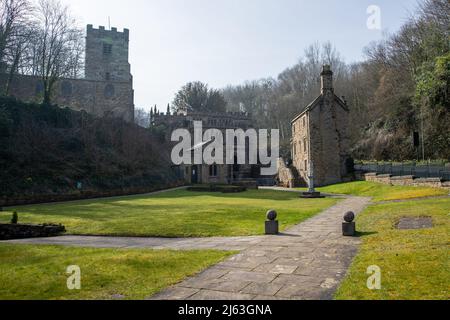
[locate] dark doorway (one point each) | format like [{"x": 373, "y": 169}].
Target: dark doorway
[
  {"x": 194, "y": 175},
  {"x": 236, "y": 168}
]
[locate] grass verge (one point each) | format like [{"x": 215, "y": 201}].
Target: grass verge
[
  {"x": 383, "y": 192},
  {"x": 414, "y": 264},
  {"x": 39, "y": 272}
]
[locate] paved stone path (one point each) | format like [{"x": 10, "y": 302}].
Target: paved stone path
[
  {"x": 306, "y": 263},
  {"x": 216, "y": 243}
]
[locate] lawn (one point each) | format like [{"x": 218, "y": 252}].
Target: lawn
[
  {"x": 383, "y": 192},
  {"x": 39, "y": 272},
  {"x": 178, "y": 213},
  {"x": 415, "y": 264}
]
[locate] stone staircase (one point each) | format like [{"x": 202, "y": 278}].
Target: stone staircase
[
  {"x": 299, "y": 182},
  {"x": 243, "y": 178},
  {"x": 248, "y": 183},
  {"x": 446, "y": 184},
  {"x": 288, "y": 176}
]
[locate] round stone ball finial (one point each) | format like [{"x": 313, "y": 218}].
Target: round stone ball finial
[
  {"x": 271, "y": 215},
  {"x": 349, "y": 217}
]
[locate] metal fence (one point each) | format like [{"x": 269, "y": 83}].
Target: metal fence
[{"x": 407, "y": 169}]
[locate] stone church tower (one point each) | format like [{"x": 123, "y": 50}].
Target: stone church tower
[
  {"x": 107, "y": 54},
  {"x": 321, "y": 137}
]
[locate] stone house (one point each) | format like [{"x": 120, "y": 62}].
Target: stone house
[
  {"x": 107, "y": 88},
  {"x": 321, "y": 137}
]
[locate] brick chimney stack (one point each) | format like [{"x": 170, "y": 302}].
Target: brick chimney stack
[{"x": 326, "y": 80}]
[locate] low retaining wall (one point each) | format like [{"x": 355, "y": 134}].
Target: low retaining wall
[
  {"x": 404, "y": 180},
  {"x": 24, "y": 231},
  {"x": 79, "y": 195}
]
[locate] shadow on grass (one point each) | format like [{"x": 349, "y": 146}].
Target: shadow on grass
[
  {"x": 360, "y": 234},
  {"x": 251, "y": 194}
]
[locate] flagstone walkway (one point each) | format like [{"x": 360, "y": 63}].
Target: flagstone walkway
[
  {"x": 306, "y": 263},
  {"x": 215, "y": 243}
]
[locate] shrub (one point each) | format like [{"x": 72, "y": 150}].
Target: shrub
[{"x": 15, "y": 218}]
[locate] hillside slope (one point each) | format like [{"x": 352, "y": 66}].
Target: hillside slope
[{"x": 51, "y": 150}]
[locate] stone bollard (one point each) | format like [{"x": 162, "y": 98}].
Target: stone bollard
[
  {"x": 272, "y": 226},
  {"x": 349, "y": 226}
]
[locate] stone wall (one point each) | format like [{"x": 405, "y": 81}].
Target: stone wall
[
  {"x": 325, "y": 144},
  {"x": 404, "y": 180},
  {"x": 100, "y": 98},
  {"x": 23, "y": 231},
  {"x": 81, "y": 195},
  {"x": 300, "y": 145}
]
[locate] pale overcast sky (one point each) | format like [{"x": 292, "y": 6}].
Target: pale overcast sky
[{"x": 223, "y": 42}]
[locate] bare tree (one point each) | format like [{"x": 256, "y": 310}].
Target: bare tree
[
  {"x": 142, "y": 117},
  {"x": 196, "y": 96},
  {"x": 437, "y": 11},
  {"x": 14, "y": 16},
  {"x": 15, "y": 54},
  {"x": 58, "y": 45}
]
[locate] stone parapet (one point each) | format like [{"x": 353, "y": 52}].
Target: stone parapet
[{"x": 405, "y": 180}]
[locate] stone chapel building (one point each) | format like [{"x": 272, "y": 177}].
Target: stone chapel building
[
  {"x": 238, "y": 174},
  {"x": 321, "y": 137}
]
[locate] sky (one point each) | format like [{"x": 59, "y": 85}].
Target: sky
[{"x": 228, "y": 42}]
